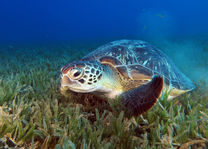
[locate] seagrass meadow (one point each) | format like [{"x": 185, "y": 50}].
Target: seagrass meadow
[{"x": 34, "y": 114}]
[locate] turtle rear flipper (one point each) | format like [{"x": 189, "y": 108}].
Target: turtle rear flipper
[{"x": 141, "y": 99}]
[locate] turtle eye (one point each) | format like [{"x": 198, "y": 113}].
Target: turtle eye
[{"x": 76, "y": 73}]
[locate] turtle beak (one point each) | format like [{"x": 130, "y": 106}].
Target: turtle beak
[{"x": 65, "y": 80}]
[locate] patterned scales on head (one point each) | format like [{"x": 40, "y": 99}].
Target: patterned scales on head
[
  {"x": 137, "y": 62},
  {"x": 132, "y": 69}
]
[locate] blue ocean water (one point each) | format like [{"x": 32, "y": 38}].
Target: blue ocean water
[
  {"x": 159, "y": 22},
  {"x": 37, "y": 20}
]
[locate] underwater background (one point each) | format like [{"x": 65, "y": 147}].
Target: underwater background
[{"x": 38, "y": 37}]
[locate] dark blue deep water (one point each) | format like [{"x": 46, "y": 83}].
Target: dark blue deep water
[
  {"x": 179, "y": 27},
  {"x": 58, "y": 20}
]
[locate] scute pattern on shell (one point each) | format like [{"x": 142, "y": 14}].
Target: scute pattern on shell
[{"x": 139, "y": 57}]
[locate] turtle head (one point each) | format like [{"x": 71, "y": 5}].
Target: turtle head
[{"x": 81, "y": 76}]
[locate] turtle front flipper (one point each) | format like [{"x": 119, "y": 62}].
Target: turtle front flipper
[{"x": 141, "y": 99}]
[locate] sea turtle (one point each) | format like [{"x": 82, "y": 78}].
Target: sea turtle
[{"x": 132, "y": 69}]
